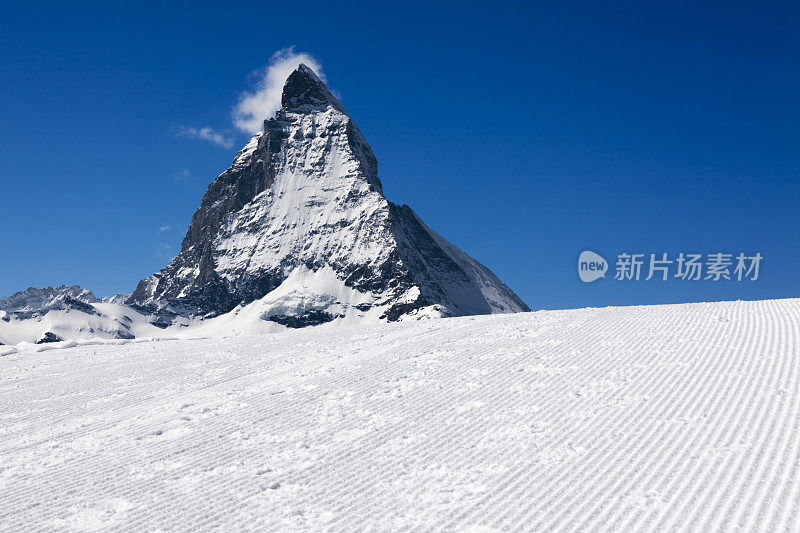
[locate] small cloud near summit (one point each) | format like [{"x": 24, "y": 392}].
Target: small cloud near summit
[
  {"x": 254, "y": 107},
  {"x": 182, "y": 175},
  {"x": 164, "y": 249},
  {"x": 205, "y": 134}
]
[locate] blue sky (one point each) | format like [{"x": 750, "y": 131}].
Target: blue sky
[{"x": 524, "y": 134}]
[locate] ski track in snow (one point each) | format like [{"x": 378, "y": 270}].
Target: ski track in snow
[{"x": 657, "y": 418}]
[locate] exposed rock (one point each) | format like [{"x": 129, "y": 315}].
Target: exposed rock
[
  {"x": 311, "y": 318},
  {"x": 49, "y": 337},
  {"x": 118, "y": 298}
]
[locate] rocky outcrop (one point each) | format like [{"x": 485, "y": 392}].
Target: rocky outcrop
[{"x": 49, "y": 337}]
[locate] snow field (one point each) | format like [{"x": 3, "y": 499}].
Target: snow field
[{"x": 639, "y": 418}]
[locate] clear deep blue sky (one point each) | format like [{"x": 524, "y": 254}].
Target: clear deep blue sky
[{"x": 522, "y": 133}]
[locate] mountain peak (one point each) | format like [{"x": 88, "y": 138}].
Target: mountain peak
[
  {"x": 299, "y": 228},
  {"x": 304, "y": 91}
]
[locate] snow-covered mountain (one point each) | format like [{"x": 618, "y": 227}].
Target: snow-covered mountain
[
  {"x": 34, "y": 301},
  {"x": 298, "y": 227},
  {"x": 55, "y": 314}
]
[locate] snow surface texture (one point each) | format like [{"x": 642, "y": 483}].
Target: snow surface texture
[
  {"x": 303, "y": 196},
  {"x": 682, "y": 417}
]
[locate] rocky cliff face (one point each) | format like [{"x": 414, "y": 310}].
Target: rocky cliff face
[{"x": 299, "y": 223}]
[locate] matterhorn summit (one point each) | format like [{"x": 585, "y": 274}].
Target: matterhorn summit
[{"x": 299, "y": 227}]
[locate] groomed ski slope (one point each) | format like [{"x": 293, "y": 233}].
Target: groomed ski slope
[{"x": 658, "y": 418}]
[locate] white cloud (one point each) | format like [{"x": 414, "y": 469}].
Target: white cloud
[
  {"x": 254, "y": 107},
  {"x": 162, "y": 229},
  {"x": 205, "y": 134},
  {"x": 182, "y": 174},
  {"x": 164, "y": 249}
]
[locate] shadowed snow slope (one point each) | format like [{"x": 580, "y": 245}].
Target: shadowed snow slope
[{"x": 680, "y": 417}]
